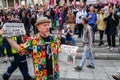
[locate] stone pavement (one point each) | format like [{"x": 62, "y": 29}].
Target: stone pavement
[{"x": 103, "y": 71}]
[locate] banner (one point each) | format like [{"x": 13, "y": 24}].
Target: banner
[
  {"x": 112, "y": 1},
  {"x": 68, "y": 54},
  {"x": 115, "y": 1},
  {"x": 13, "y": 29},
  {"x": 91, "y": 1}
]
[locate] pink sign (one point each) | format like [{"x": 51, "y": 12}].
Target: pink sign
[
  {"x": 112, "y": 1},
  {"x": 115, "y": 1}
]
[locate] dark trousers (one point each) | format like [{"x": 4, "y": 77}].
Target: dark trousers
[
  {"x": 80, "y": 30},
  {"x": 2, "y": 51},
  {"x": 111, "y": 40},
  {"x": 76, "y": 29},
  {"x": 21, "y": 65},
  {"x": 94, "y": 30},
  {"x": 101, "y": 35}
]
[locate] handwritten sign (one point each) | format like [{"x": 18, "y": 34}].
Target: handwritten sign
[
  {"x": 13, "y": 29},
  {"x": 68, "y": 54}
]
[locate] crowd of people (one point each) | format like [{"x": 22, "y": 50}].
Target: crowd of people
[
  {"x": 99, "y": 17},
  {"x": 82, "y": 20}
]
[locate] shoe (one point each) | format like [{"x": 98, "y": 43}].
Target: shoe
[
  {"x": 108, "y": 47},
  {"x": 5, "y": 78},
  {"x": 111, "y": 49},
  {"x": 101, "y": 44},
  {"x": 78, "y": 68},
  {"x": 115, "y": 77},
  {"x": 94, "y": 44},
  {"x": 89, "y": 66},
  {"x": 29, "y": 78}
]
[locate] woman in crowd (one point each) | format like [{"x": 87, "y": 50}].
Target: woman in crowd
[
  {"x": 101, "y": 24},
  {"x": 111, "y": 28}
]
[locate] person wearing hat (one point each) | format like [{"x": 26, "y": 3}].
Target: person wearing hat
[
  {"x": 44, "y": 51},
  {"x": 68, "y": 33}
]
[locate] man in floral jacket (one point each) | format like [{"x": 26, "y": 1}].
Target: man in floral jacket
[{"x": 44, "y": 51}]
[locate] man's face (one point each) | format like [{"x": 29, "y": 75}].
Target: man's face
[
  {"x": 43, "y": 28},
  {"x": 91, "y": 8},
  {"x": 80, "y": 8},
  {"x": 83, "y": 22},
  {"x": 102, "y": 11},
  {"x": 9, "y": 17},
  {"x": 60, "y": 9},
  {"x": 48, "y": 13}
]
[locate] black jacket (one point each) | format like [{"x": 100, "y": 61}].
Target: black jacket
[{"x": 111, "y": 28}]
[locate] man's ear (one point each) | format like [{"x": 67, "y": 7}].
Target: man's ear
[{"x": 38, "y": 29}]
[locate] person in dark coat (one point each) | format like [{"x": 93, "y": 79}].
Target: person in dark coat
[
  {"x": 111, "y": 28},
  {"x": 17, "y": 60},
  {"x": 27, "y": 22}
]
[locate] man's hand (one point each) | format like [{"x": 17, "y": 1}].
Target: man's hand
[
  {"x": 107, "y": 15},
  {"x": 89, "y": 17},
  {"x": 88, "y": 49},
  {"x": 68, "y": 30},
  {"x": 6, "y": 58},
  {"x": 113, "y": 17},
  {"x": 1, "y": 31}
]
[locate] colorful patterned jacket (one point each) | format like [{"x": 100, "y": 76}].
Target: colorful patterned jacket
[{"x": 35, "y": 46}]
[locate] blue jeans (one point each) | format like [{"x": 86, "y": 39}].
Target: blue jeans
[
  {"x": 72, "y": 40},
  {"x": 87, "y": 54}
]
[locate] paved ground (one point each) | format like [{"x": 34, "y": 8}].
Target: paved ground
[{"x": 104, "y": 70}]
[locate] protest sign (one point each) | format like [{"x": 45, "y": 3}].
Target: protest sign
[
  {"x": 91, "y": 1},
  {"x": 13, "y": 29},
  {"x": 68, "y": 54}
]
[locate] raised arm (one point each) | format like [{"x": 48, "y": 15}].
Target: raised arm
[{"x": 11, "y": 42}]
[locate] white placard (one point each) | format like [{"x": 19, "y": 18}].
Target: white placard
[
  {"x": 102, "y": 1},
  {"x": 13, "y": 29},
  {"x": 91, "y": 1},
  {"x": 68, "y": 54}
]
